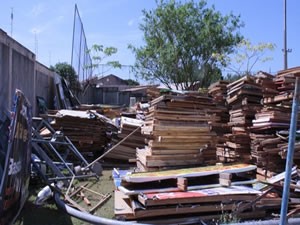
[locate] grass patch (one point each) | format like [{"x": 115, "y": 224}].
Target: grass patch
[{"x": 49, "y": 214}]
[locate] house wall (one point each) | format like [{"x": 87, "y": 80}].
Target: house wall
[
  {"x": 20, "y": 70},
  {"x": 87, "y": 96},
  {"x": 45, "y": 84},
  {"x": 111, "y": 95},
  {"x": 4, "y": 75},
  {"x": 110, "y": 80}
]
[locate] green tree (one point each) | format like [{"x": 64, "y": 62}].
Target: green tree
[
  {"x": 131, "y": 82},
  {"x": 100, "y": 54},
  {"x": 181, "y": 40},
  {"x": 66, "y": 71},
  {"x": 246, "y": 56}
]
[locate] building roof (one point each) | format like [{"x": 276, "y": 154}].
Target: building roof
[{"x": 110, "y": 80}]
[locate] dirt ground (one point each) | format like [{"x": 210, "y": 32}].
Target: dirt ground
[{"x": 49, "y": 214}]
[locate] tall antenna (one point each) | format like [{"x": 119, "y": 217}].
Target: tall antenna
[
  {"x": 11, "y": 21},
  {"x": 36, "y": 45}
]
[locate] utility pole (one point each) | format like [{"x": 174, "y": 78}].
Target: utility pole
[{"x": 285, "y": 50}]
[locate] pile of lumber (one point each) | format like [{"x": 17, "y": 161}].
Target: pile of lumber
[
  {"x": 88, "y": 130},
  {"x": 128, "y": 139},
  {"x": 218, "y": 91},
  {"x": 244, "y": 99},
  {"x": 179, "y": 132},
  {"x": 153, "y": 92},
  {"x": 266, "y": 82},
  {"x": 236, "y": 148},
  {"x": 272, "y": 118},
  {"x": 285, "y": 84},
  {"x": 267, "y": 149},
  {"x": 202, "y": 192},
  {"x": 244, "y": 92},
  {"x": 264, "y": 152},
  {"x": 267, "y": 121},
  {"x": 284, "y": 149}
]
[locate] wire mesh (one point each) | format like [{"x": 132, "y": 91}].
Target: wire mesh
[{"x": 80, "y": 60}]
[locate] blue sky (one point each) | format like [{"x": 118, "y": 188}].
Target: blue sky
[{"x": 45, "y": 27}]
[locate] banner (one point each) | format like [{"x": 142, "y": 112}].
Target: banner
[{"x": 16, "y": 166}]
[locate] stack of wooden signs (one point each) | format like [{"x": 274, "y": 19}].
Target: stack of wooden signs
[
  {"x": 268, "y": 145},
  {"x": 88, "y": 130},
  {"x": 178, "y": 132},
  {"x": 206, "y": 192},
  {"x": 218, "y": 91},
  {"x": 129, "y": 138},
  {"x": 244, "y": 99}
]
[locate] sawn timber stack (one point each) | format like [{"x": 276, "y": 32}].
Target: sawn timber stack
[
  {"x": 131, "y": 137},
  {"x": 244, "y": 99},
  {"x": 179, "y": 132},
  {"x": 88, "y": 130},
  {"x": 269, "y": 147}
]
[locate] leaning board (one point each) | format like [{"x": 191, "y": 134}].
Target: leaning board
[{"x": 188, "y": 172}]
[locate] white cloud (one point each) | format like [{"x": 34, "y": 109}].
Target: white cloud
[
  {"x": 130, "y": 22},
  {"x": 37, "y": 10}
]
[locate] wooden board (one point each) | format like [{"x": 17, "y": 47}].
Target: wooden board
[
  {"x": 189, "y": 172},
  {"x": 122, "y": 206},
  {"x": 221, "y": 194},
  {"x": 185, "y": 209}
]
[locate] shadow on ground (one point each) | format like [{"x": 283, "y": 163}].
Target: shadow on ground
[{"x": 46, "y": 215}]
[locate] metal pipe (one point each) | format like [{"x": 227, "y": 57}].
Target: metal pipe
[
  {"x": 284, "y": 37},
  {"x": 75, "y": 151},
  {"x": 48, "y": 141},
  {"x": 292, "y": 221},
  {"x": 86, "y": 216},
  {"x": 113, "y": 147},
  {"x": 71, "y": 177},
  {"x": 100, "y": 220},
  {"x": 290, "y": 155}
]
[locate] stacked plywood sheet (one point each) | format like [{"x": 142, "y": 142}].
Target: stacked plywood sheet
[
  {"x": 285, "y": 84},
  {"x": 243, "y": 98},
  {"x": 284, "y": 149},
  {"x": 267, "y": 145},
  {"x": 153, "y": 92},
  {"x": 129, "y": 138},
  {"x": 265, "y": 80},
  {"x": 272, "y": 118},
  {"x": 236, "y": 148},
  {"x": 88, "y": 130},
  {"x": 267, "y": 121},
  {"x": 183, "y": 193},
  {"x": 218, "y": 91},
  {"x": 264, "y": 151},
  {"x": 243, "y": 92},
  {"x": 179, "y": 132}
]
